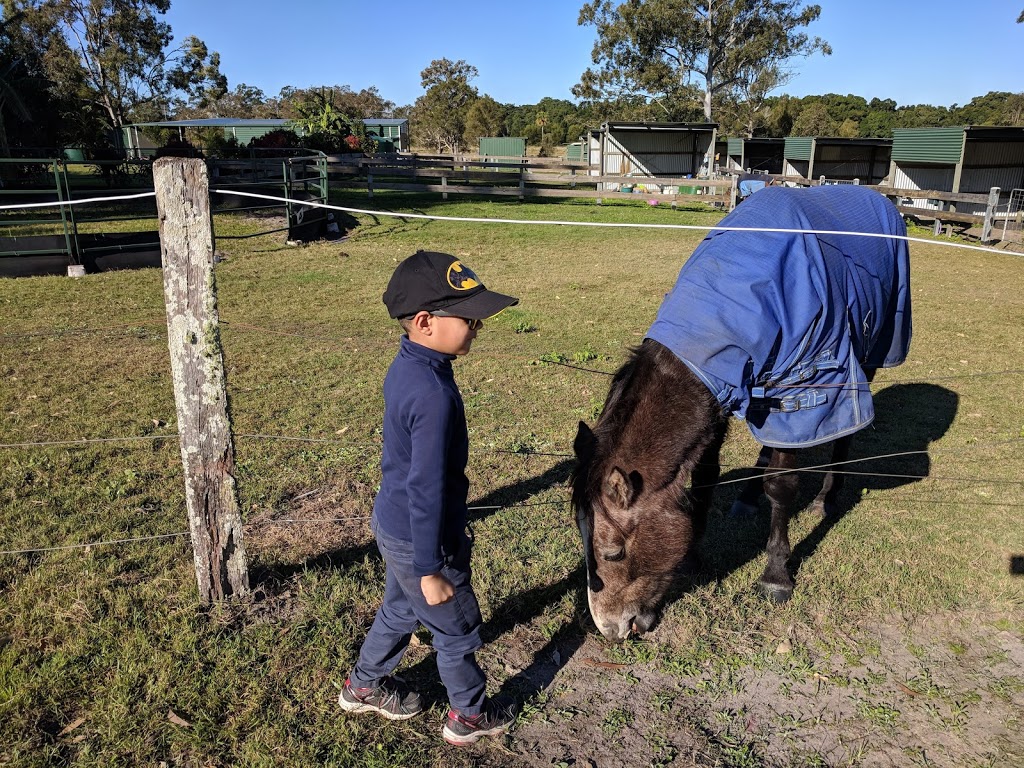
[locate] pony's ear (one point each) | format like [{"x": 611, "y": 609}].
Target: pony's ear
[
  {"x": 622, "y": 488},
  {"x": 585, "y": 442}
]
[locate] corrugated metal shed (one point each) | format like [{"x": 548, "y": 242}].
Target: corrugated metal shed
[
  {"x": 756, "y": 154},
  {"x": 654, "y": 149},
  {"x": 970, "y": 159},
  {"x": 798, "y": 147},
  {"x": 928, "y": 145},
  {"x": 577, "y": 152},
  {"x": 395, "y": 129},
  {"x": 502, "y": 146}
]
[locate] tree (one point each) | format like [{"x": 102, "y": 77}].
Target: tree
[
  {"x": 541, "y": 120},
  {"x": 246, "y": 101},
  {"x": 199, "y": 78},
  {"x": 484, "y": 118},
  {"x": 656, "y": 47},
  {"x": 116, "y": 55},
  {"x": 814, "y": 120},
  {"x": 11, "y": 100},
  {"x": 440, "y": 114}
]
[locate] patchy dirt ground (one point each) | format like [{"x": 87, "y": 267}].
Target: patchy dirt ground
[{"x": 945, "y": 692}]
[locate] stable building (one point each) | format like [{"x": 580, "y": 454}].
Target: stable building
[
  {"x": 664, "y": 150},
  {"x": 966, "y": 158},
  {"x": 860, "y": 161},
  {"x": 394, "y": 133},
  {"x": 243, "y": 130},
  {"x": 758, "y": 155},
  {"x": 393, "y": 130}
]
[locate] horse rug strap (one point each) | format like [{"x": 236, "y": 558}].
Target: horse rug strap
[{"x": 780, "y": 327}]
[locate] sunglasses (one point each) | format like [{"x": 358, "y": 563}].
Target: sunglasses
[{"x": 474, "y": 324}]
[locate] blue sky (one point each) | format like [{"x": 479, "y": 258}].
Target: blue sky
[{"x": 937, "y": 52}]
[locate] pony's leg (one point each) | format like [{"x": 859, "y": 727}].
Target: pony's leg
[
  {"x": 825, "y": 502},
  {"x": 705, "y": 476},
  {"x": 782, "y": 490},
  {"x": 746, "y": 502}
]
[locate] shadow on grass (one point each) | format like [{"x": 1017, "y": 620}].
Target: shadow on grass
[
  {"x": 547, "y": 660},
  {"x": 908, "y": 418},
  {"x": 271, "y": 579}
]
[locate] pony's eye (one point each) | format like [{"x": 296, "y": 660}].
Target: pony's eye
[{"x": 613, "y": 554}]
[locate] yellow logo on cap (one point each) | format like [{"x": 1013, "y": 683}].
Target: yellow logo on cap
[{"x": 461, "y": 277}]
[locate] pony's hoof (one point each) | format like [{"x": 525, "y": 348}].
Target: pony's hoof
[
  {"x": 741, "y": 508},
  {"x": 776, "y": 593},
  {"x": 823, "y": 508}
]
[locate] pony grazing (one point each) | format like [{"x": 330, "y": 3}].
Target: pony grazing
[{"x": 780, "y": 329}]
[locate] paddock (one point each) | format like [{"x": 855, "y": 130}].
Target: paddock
[{"x": 903, "y": 643}]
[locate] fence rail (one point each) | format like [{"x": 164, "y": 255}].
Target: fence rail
[{"x": 309, "y": 178}]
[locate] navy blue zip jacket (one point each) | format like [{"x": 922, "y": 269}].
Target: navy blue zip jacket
[{"x": 423, "y": 490}]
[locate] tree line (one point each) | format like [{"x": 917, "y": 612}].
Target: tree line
[{"x": 73, "y": 72}]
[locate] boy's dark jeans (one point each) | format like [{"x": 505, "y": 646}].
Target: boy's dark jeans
[{"x": 455, "y": 626}]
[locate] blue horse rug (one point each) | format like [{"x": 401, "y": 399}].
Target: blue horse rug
[{"x": 780, "y": 327}]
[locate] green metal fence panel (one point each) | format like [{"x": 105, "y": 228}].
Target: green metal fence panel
[{"x": 502, "y": 146}]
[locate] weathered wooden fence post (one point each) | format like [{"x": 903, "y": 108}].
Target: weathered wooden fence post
[
  {"x": 197, "y": 367},
  {"x": 990, "y": 211}
]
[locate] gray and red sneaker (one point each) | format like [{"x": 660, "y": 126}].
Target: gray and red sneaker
[
  {"x": 461, "y": 730},
  {"x": 391, "y": 698}
]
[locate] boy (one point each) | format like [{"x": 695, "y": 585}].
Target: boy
[{"x": 419, "y": 516}]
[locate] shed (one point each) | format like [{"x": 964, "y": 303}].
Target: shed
[
  {"x": 578, "y": 152},
  {"x": 396, "y": 130},
  {"x": 502, "y": 146},
  {"x": 866, "y": 160},
  {"x": 652, "y": 149},
  {"x": 759, "y": 154},
  {"x": 242, "y": 129},
  {"x": 965, "y": 158}
]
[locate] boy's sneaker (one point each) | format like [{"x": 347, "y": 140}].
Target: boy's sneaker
[
  {"x": 391, "y": 698},
  {"x": 461, "y": 730}
]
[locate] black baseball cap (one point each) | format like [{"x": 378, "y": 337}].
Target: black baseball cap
[{"x": 434, "y": 282}]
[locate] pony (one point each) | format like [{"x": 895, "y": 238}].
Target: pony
[{"x": 782, "y": 329}]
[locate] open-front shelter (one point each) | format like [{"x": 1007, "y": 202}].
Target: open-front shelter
[
  {"x": 761, "y": 155},
  {"x": 968, "y": 159},
  {"x": 664, "y": 150},
  {"x": 865, "y": 161}
]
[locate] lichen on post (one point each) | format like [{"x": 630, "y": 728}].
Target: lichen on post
[{"x": 197, "y": 369}]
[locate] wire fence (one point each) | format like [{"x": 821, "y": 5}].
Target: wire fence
[{"x": 159, "y": 319}]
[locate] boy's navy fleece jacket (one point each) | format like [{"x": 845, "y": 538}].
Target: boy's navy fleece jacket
[{"x": 423, "y": 491}]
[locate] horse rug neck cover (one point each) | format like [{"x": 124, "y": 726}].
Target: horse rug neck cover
[{"x": 779, "y": 326}]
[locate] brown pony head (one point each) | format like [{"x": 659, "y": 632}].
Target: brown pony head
[{"x": 630, "y": 488}]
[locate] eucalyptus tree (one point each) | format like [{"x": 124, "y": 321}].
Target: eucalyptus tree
[
  {"x": 485, "y": 118},
  {"x": 673, "y": 51},
  {"x": 118, "y": 55},
  {"x": 439, "y": 115}
]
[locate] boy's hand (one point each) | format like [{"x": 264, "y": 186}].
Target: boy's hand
[{"x": 436, "y": 589}]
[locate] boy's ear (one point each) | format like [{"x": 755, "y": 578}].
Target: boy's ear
[{"x": 421, "y": 322}]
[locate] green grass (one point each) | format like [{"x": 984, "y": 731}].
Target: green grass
[{"x": 113, "y": 635}]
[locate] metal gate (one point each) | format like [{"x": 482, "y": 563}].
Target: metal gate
[
  {"x": 1013, "y": 219},
  {"x": 296, "y": 180}
]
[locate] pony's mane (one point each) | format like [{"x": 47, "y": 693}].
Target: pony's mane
[
  {"x": 630, "y": 387},
  {"x": 619, "y": 405}
]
